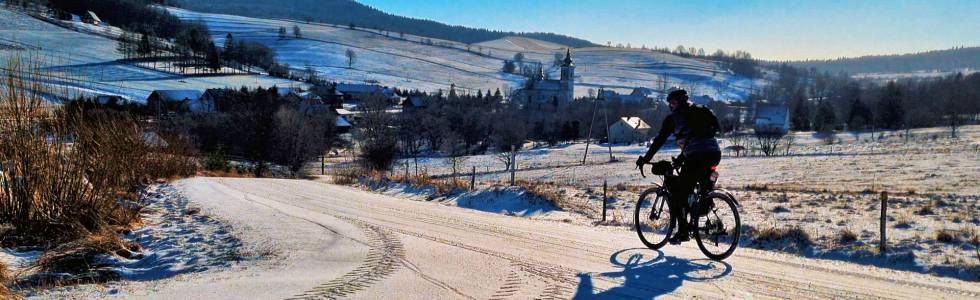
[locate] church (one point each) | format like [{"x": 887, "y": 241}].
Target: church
[{"x": 541, "y": 92}]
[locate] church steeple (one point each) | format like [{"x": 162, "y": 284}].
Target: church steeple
[{"x": 568, "y": 56}]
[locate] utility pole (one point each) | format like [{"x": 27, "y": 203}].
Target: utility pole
[{"x": 588, "y": 138}]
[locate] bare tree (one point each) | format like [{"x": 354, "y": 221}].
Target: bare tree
[
  {"x": 768, "y": 142},
  {"x": 299, "y": 138},
  {"x": 455, "y": 151},
  {"x": 297, "y": 33},
  {"x": 351, "y": 57},
  {"x": 378, "y": 148},
  {"x": 738, "y": 141}
]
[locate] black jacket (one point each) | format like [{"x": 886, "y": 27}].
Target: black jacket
[{"x": 694, "y": 126}]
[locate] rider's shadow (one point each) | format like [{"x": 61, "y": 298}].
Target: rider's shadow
[{"x": 648, "y": 274}]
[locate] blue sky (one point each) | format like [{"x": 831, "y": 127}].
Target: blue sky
[{"x": 768, "y": 29}]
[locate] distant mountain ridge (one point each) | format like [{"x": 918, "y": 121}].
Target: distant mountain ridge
[
  {"x": 942, "y": 60},
  {"x": 346, "y": 12}
]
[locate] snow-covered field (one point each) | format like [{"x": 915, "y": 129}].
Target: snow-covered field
[
  {"x": 86, "y": 62},
  {"x": 407, "y": 62}
]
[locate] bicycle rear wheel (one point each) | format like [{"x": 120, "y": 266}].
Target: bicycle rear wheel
[
  {"x": 651, "y": 219},
  {"x": 718, "y": 226}
]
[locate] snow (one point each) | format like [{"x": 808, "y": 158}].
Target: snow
[
  {"x": 86, "y": 61},
  {"x": 829, "y": 188},
  {"x": 176, "y": 240}
]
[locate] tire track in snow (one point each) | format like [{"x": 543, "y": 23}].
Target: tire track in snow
[
  {"x": 563, "y": 278},
  {"x": 381, "y": 261}
]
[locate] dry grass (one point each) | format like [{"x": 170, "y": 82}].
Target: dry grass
[
  {"x": 5, "y": 278},
  {"x": 347, "y": 175},
  {"x": 80, "y": 256},
  {"x": 544, "y": 191}
]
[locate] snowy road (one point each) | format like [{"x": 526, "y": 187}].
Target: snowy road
[{"x": 339, "y": 242}]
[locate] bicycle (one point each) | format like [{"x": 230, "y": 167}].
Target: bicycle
[{"x": 712, "y": 213}]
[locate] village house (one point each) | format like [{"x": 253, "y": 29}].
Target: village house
[
  {"x": 628, "y": 130},
  {"x": 110, "y": 99},
  {"x": 771, "y": 118},
  {"x": 177, "y": 101},
  {"x": 638, "y": 95},
  {"x": 355, "y": 92},
  {"x": 91, "y": 18}
]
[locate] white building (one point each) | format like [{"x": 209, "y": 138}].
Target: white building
[{"x": 628, "y": 130}]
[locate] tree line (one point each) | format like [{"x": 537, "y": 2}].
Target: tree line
[
  {"x": 456, "y": 125},
  {"x": 343, "y": 12},
  {"x": 822, "y": 101}
]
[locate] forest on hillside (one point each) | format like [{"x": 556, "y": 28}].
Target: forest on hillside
[
  {"x": 943, "y": 60},
  {"x": 348, "y": 12}
]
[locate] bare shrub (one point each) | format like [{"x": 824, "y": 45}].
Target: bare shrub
[
  {"x": 785, "y": 238},
  {"x": 925, "y": 210},
  {"x": 768, "y": 142},
  {"x": 845, "y": 236},
  {"x": 65, "y": 174},
  {"x": 947, "y": 236}
]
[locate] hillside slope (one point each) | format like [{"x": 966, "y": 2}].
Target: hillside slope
[
  {"x": 87, "y": 63},
  {"x": 346, "y": 12},
  {"x": 412, "y": 61}
]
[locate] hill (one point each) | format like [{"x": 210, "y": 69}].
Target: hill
[
  {"x": 85, "y": 63},
  {"x": 949, "y": 60},
  {"x": 429, "y": 64},
  {"x": 344, "y": 12}
]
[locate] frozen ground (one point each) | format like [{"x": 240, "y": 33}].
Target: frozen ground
[
  {"x": 86, "y": 61},
  {"x": 406, "y": 62}
]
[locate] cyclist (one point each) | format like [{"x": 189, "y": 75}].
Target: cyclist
[{"x": 694, "y": 127}]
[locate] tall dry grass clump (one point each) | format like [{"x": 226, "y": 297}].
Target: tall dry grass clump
[
  {"x": 65, "y": 175},
  {"x": 5, "y": 279}
]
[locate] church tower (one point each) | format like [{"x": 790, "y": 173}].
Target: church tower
[{"x": 567, "y": 80}]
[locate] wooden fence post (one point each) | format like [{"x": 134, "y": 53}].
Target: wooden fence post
[
  {"x": 513, "y": 163},
  {"x": 473, "y": 178},
  {"x": 884, "y": 238},
  {"x": 604, "y": 199},
  {"x": 322, "y": 165}
]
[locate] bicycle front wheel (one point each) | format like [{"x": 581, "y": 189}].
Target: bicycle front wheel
[
  {"x": 718, "y": 226},
  {"x": 651, "y": 218}
]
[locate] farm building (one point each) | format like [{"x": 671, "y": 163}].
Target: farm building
[{"x": 628, "y": 130}]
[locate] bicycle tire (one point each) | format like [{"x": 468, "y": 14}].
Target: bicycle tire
[
  {"x": 737, "y": 228},
  {"x": 638, "y": 224}
]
